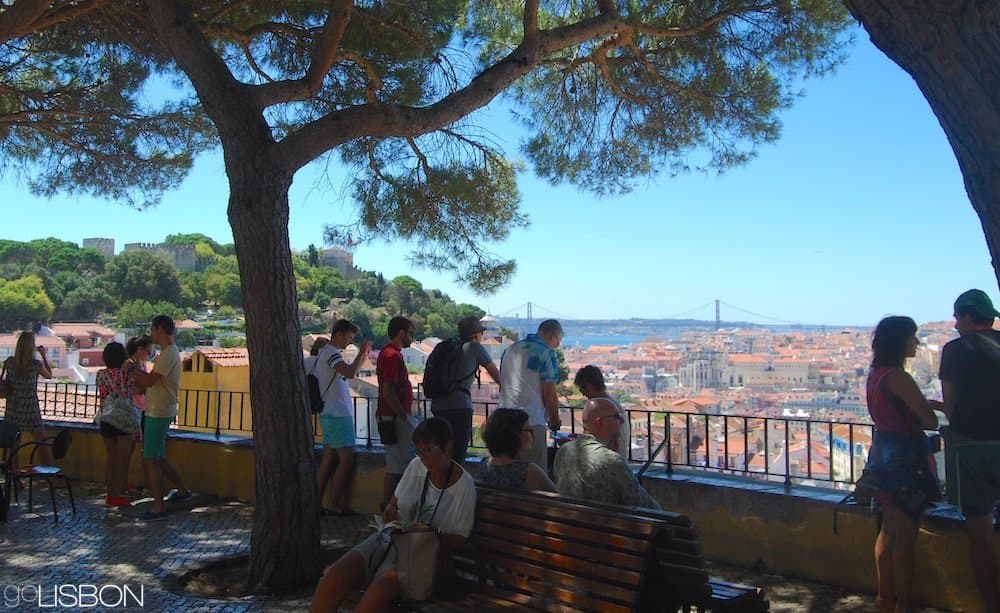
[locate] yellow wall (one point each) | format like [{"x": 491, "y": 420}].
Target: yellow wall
[
  {"x": 206, "y": 398},
  {"x": 221, "y": 469},
  {"x": 794, "y": 536}
]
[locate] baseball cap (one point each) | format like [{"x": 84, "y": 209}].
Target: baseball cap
[
  {"x": 977, "y": 301},
  {"x": 469, "y": 326}
]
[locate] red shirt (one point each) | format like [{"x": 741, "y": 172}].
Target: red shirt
[
  {"x": 390, "y": 366},
  {"x": 888, "y": 411}
]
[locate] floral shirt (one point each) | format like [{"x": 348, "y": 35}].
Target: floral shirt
[
  {"x": 585, "y": 468},
  {"x": 115, "y": 379}
]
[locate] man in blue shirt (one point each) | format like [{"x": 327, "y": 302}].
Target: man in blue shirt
[{"x": 529, "y": 371}]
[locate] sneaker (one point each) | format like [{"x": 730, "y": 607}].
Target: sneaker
[
  {"x": 116, "y": 501},
  {"x": 153, "y": 516},
  {"x": 176, "y": 496}
]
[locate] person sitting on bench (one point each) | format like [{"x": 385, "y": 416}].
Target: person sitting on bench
[
  {"x": 434, "y": 490},
  {"x": 588, "y": 468}
]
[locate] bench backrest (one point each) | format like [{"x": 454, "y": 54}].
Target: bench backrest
[{"x": 547, "y": 551}]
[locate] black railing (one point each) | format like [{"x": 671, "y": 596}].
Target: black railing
[{"x": 782, "y": 449}]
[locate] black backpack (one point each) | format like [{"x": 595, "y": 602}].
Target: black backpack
[
  {"x": 440, "y": 376},
  {"x": 316, "y": 401}
]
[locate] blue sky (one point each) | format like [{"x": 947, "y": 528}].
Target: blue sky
[{"x": 858, "y": 211}]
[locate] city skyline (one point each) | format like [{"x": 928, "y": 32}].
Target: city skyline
[{"x": 858, "y": 211}]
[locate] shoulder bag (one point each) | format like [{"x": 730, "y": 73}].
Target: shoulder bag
[
  {"x": 418, "y": 551},
  {"x": 118, "y": 410}
]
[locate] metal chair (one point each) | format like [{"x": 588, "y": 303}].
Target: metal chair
[
  {"x": 9, "y": 434},
  {"x": 51, "y": 474}
]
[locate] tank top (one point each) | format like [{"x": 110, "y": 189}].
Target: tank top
[{"x": 888, "y": 411}]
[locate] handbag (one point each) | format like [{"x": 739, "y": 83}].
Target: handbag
[
  {"x": 118, "y": 410},
  {"x": 4, "y": 384},
  {"x": 418, "y": 551},
  {"x": 387, "y": 431}
]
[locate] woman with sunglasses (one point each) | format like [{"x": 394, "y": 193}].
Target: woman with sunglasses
[
  {"x": 505, "y": 434},
  {"x": 433, "y": 491}
]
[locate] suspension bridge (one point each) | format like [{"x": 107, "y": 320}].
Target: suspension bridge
[{"x": 530, "y": 312}]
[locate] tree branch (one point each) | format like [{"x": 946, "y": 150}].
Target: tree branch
[
  {"x": 25, "y": 17},
  {"x": 642, "y": 28},
  {"x": 530, "y": 20},
  {"x": 381, "y": 120},
  {"x": 230, "y": 104},
  {"x": 323, "y": 57}
]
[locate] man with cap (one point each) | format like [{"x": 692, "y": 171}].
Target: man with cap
[
  {"x": 456, "y": 407},
  {"x": 970, "y": 382}
]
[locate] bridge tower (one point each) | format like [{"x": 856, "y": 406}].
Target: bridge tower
[{"x": 718, "y": 320}]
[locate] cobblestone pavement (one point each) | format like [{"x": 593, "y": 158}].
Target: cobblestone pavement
[
  {"x": 101, "y": 547},
  {"x": 107, "y": 547}
]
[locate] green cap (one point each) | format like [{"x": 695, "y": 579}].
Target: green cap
[{"x": 977, "y": 301}]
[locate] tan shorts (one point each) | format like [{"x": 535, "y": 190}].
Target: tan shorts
[{"x": 398, "y": 456}]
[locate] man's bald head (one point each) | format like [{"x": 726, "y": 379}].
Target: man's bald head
[{"x": 602, "y": 419}]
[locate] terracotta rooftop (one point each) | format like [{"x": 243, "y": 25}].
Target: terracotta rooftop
[
  {"x": 87, "y": 329},
  {"x": 237, "y": 356}
]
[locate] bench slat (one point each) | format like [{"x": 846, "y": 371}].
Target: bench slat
[
  {"x": 583, "y": 565},
  {"x": 588, "y": 506},
  {"x": 635, "y": 560},
  {"x": 537, "y": 524},
  {"x": 594, "y": 585},
  {"x": 620, "y": 522}
]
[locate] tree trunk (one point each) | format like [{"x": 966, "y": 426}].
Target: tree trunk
[
  {"x": 285, "y": 537},
  {"x": 951, "y": 48}
]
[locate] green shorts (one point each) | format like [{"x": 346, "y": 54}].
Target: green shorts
[
  {"x": 154, "y": 437},
  {"x": 978, "y": 471},
  {"x": 338, "y": 432}
]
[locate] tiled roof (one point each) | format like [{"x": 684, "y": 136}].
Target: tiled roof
[
  {"x": 237, "y": 356},
  {"x": 81, "y": 329}
]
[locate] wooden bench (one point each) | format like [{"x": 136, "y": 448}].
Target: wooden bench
[
  {"x": 679, "y": 574},
  {"x": 542, "y": 552}
]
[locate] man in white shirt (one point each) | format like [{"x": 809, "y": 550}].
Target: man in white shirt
[
  {"x": 337, "y": 417},
  {"x": 529, "y": 371}
]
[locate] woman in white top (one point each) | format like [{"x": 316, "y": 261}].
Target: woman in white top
[{"x": 449, "y": 505}]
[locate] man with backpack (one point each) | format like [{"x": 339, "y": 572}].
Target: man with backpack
[
  {"x": 448, "y": 375},
  {"x": 970, "y": 382},
  {"x": 337, "y": 417}
]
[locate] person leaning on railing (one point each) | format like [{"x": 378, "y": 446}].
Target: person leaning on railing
[
  {"x": 970, "y": 382},
  {"x": 898, "y": 462}
]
